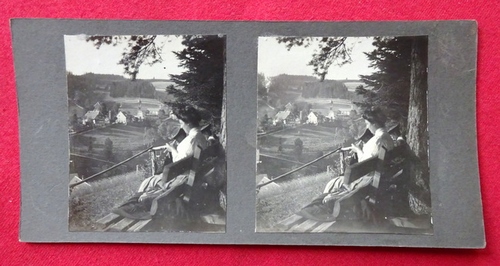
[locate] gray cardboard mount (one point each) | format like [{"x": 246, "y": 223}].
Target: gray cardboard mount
[{"x": 42, "y": 95}]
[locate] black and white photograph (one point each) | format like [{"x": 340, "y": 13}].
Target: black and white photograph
[
  {"x": 342, "y": 135},
  {"x": 147, "y": 133}
]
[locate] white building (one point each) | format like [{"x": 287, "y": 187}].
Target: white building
[
  {"x": 140, "y": 115},
  {"x": 121, "y": 118},
  {"x": 312, "y": 118},
  {"x": 345, "y": 111},
  {"x": 331, "y": 115},
  {"x": 89, "y": 117},
  {"x": 281, "y": 116}
]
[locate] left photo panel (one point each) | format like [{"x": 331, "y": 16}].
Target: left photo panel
[{"x": 147, "y": 133}]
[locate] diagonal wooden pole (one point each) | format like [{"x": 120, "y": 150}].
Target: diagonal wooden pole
[
  {"x": 111, "y": 168},
  {"x": 298, "y": 168}
]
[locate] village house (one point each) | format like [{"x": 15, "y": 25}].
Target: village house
[
  {"x": 284, "y": 117},
  {"x": 281, "y": 116},
  {"x": 90, "y": 117},
  {"x": 345, "y": 111},
  {"x": 153, "y": 111},
  {"x": 98, "y": 107},
  {"x": 140, "y": 115},
  {"x": 121, "y": 118},
  {"x": 331, "y": 115},
  {"x": 312, "y": 118},
  {"x": 101, "y": 121}
]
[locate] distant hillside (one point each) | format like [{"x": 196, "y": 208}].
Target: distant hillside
[
  {"x": 127, "y": 88},
  {"x": 353, "y": 84},
  {"x": 161, "y": 85},
  {"x": 89, "y": 88},
  {"x": 351, "y": 87},
  {"x": 286, "y": 88},
  {"x": 325, "y": 89},
  {"x": 290, "y": 82},
  {"x": 102, "y": 77},
  {"x": 290, "y": 88}
]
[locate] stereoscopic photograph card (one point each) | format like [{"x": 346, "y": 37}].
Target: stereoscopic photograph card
[
  {"x": 344, "y": 119},
  {"x": 145, "y": 119},
  {"x": 287, "y": 133}
]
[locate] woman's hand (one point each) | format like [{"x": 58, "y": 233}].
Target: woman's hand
[
  {"x": 356, "y": 149},
  {"x": 146, "y": 195},
  {"x": 327, "y": 198},
  {"x": 169, "y": 147}
]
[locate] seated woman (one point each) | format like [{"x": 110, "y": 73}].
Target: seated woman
[
  {"x": 138, "y": 206},
  {"x": 327, "y": 206}
]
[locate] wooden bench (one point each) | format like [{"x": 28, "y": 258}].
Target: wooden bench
[
  {"x": 196, "y": 167},
  {"x": 389, "y": 170}
]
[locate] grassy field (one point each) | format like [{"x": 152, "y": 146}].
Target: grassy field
[
  {"x": 277, "y": 202},
  {"x": 124, "y": 137},
  {"x": 323, "y": 105},
  {"x": 314, "y": 138},
  {"x": 87, "y": 203},
  {"x": 131, "y": 104},
  {"x": 163, "y": 84},
  {"x": 127, "y": 141}
]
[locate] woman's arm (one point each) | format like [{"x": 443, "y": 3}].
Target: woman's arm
[
  {"x": 357, "y": 150},
  {"x": 173, "y": 151}
]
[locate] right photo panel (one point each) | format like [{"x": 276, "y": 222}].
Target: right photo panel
[{"x": 342, "y": 136}]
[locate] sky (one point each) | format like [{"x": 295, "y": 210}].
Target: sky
[
  {"x": 275, "y": 59},
  {"x": 83, "y": 57}
]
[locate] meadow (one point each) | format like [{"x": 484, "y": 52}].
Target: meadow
[
  {"x": 92, "y": 201},
  {"x": 275, "y": 202},
  {"x": 88, "y": 159}
]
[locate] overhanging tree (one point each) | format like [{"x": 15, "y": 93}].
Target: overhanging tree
[
  {"x": 390, "y": 83},
  {"x": 329, "y": 51},
  {"x": 202, "y": 82},
  {"x": 400, "y": 87},
  {"x": 142, "y": 49}
]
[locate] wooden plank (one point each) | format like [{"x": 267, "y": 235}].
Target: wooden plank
[
  {"x": 322, "y": 227},
  {"x": 121, "y": 225},
  {"x": 108, "y": 219},
  {"x": 303, "y": 227},
  {"x": 139, "y": 225},
  {"x": 213, "y": 219},
  {"x": 291, "y": 220}
]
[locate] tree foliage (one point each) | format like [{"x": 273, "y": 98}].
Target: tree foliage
[
  {"x": 141, "y": 89},
  {"x": 142, "y": 49},
  {"x": 330, "y": 51},
  {"x": 400, "y": 86},
  {"x": 202, "y": 84},
  {"x": 108, "y": 149},
  {"x": 390, "y": 84},
  {"x": 261, "y": 86}
]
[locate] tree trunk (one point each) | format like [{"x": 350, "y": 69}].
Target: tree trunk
[
  {"x": 417, "y": 133},
  {"x": 223, "y": 125}
]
